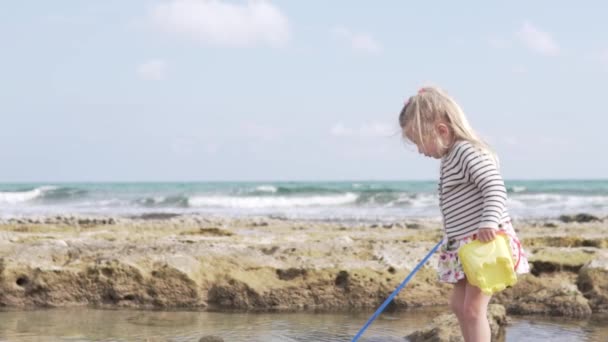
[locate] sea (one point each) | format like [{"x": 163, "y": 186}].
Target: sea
[{"x": 341, "y": 201}]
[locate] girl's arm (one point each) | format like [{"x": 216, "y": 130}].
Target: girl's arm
[{"x": 482, "y": 170}]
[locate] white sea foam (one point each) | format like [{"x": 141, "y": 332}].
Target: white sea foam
[
  {"x": 266, "y": 188},
  {"x": 551, "y": 205},
  {"x": 559, "y": 200},
  {"x": 14, "y": 197},
  {"x": 270, "y": 202},
  {"x": 417, "y": 201}
]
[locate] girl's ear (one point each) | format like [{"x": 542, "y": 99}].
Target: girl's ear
[{"x": 443, "y": 130}]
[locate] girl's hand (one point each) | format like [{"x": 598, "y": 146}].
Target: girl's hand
[{"x": 486, "y": 234}]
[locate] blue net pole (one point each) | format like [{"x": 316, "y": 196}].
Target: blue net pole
[{"x": 399, "y": 288}]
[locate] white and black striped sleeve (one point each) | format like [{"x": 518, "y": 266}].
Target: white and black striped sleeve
[{"x": 481, "y": 169}]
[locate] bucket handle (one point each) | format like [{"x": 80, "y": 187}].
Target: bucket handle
[{"x": 516, "y": 240}]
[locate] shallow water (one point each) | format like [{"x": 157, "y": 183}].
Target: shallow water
[{"x": 83, "y": 324}]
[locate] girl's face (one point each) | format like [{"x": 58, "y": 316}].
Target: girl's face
[{"x": 431, "y": 146}]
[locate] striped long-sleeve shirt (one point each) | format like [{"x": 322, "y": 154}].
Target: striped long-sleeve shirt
[{"x": 472, "y": 193}]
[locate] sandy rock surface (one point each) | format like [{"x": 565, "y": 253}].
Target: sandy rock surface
[{"x": 276, "y": 264}]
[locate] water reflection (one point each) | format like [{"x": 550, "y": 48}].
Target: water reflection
[{"x": 83, "y": 324}]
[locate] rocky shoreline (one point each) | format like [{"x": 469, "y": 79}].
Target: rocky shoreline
[{"x": 167, "y": 261}]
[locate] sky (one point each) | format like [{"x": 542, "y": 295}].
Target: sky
[{"x": 187, "y": 90}]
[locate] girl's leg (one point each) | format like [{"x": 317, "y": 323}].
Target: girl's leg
[
  {"x": 457, "y": 304},
  {"x": 475, "y": 315}
]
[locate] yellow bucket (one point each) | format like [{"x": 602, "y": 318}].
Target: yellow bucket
[{"x": 489, "y": 265}]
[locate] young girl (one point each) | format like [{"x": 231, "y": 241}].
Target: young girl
[{"x": 472, "y": 197}]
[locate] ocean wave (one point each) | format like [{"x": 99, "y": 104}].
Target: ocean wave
[
  {"x": 15, "y": 197},
  {"x": 517, "y": 189},
  {"x": 163, "y": 201},
  {"x": 267, "y": 188},
  {"x": 271, "y": 202},
  {"x": 572, "y": 202},
  {"x": 302, "y": 190}
]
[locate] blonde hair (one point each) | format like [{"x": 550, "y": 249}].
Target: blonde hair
[{"x": 431, "y": 104}]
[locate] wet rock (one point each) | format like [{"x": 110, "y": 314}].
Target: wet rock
[
  {"x": 269, "y": 250},
  {"x": 593, "y": 282},
  {"x": 423, "y": 289},
  {"x": 565, "y": 241},
  {"x": 115, "y": 282},
  {"x": 554, "y": 259},
  {"x": 235, "y": 294},
  {"x": 291, "y": 273},
  {"x": 259, "y": 224},
  {"x": 580, "y": 218},
  {"x": 342, "y": 280},
  {"x": 446, "y": 328},
  {"x": 564, "y": 301},
  {"x": 145, "y": 264},
  {"x": 173, "y": 283},
  {"x": 211, "y": 338},
  {"x": 551, "y": 295},
  {"x": 207, "y": 231},
  {"x": 156, "y": 216}
]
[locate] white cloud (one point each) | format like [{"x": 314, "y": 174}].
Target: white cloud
[
  {"x": 537, "y": 40},
  {"x": 152, "y": 70},
  {"x": 358, "y": 41},
  {"x": 222, "y": 22},
  {"x": 367, "y": 130}
]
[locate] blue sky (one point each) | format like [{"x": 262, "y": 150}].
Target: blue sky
[{"x": 293, "y": 90}]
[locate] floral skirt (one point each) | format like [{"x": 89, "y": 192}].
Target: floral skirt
[{"x": 450, "y": 269}]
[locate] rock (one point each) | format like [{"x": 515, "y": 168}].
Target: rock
[
  {"x": 342, "y": 280},
  {"x": 564, "y": 301},
  {"x": 423, "y": 289},
  {"x": 211, "y": 338},
  {"x": 156, "y": 216},
  {"x": 291, "y": 273},
  {"x": 259, "y": 224},
  {"x": 593, "y": 282},
  {"x": 550, "y": 294},
  {"x": 446, "y": 328},
  {"x": 198, "y": 262},
  {"x": 580, "y": 218},
  {"x": 565, "y": 241},
  {"x": 552, "y": 259},
  {"x": 413, "y": 226}
]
